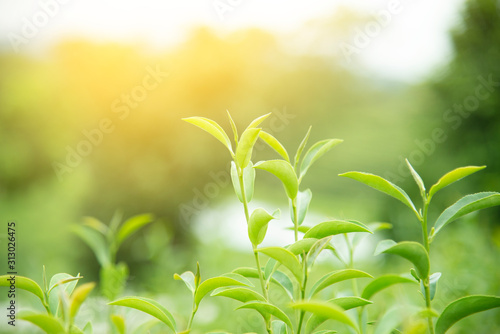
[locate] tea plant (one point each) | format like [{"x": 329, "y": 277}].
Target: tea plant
[
  {"x": 60, "y": 298},
  {"x": 418, "y": 253}
]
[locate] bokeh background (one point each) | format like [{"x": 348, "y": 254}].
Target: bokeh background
[{"x": 394, "y": 79}]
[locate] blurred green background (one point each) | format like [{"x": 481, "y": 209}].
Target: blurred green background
[{"x": 153, "y": 162}]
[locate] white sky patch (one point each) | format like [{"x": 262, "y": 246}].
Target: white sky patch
[{"x": 408, "y": 49}]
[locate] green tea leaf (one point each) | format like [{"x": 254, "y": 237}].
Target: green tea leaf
[
  {"x": 452, "y": 177},
  {"x": 256, "y": 122},
  {"x": 146, "y": 327},
  {"x": 283, "y": 171},
  {"x": 233, "y": 126},
  {"x": 335, "y": 277},
  {"x": 60, "y": 285},
  {"x": 380, "y": 184},
  {"x": 274, "y": 144},
  {"x": 266, "y": 309},
  {"x": 301, "y": 147},
  {"x": 46, "y": 322},
  {"x": 383, "y": 282},
  {"x": 78, "y": 297},
  {"x": 257, "y": 225},
  {"x": 316, "y": 249},
  {"x": 350, "y": 302},
  {"x": 150, "y": 307},
  {"x": 416, "y": 177},
  {"x": 433, "y": 280},
  {"x": 213, "y": 128},
  {"x": 303, "y": 200},
  {"x": 245, "y": 147},
  {"x": 96, "y": 242},
  {"x": 325, "y": 310},
  {"x": 325, "y": 331},
  {"x": 334, "y": 227},
  {"x": 241, "y": 294},
  {"x": 212, "y": 284},
  {"x": 278, "y": 327},
  {"x": 248, "y": 181},
  {"x": 188, "y": 278},
  {"x": 301, "y": 246},
  {"x": 465, "y": 205},
  {"x": 282, "y": 279},
  {"x": 132, "y": 225},
  {"x": 392, "y": 319},
  {"x": 315, "y": 152},
  {"x": 88, "y": 329},
  {"x": 286, "y": 258},
  {"x": 240, "y": 278},
  {"x": 119, "y": 323},
  {"x": 23, "y": 283},
  {"x": 96, "y": 224},
  {"x": 462, "y": 308},
  {"x": 410, "y": 250}
]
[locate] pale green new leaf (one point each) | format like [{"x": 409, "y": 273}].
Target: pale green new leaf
[
  {"x": 325, "y": 310},
  {"x": 278, "y": 327},
  {"x": 465, "y": 205},
  {"x": 24, "y": 283},
  {"x": 266, "y": 309},
  {"x": 150, "y": 307},
  {"x": 78, "y": 297},
  {"x": 233, "y": 126},
  {"x": 380, "y": 184},
  {"x": 303, "y": 200},
  {"x": 146, "y": 327},
  {"x": 283, "y": 171},
  {"x": 213, "y": 128},
  {"x": 131, "y": 225},
  {"x": 241, "y": 294},
  {"x": 245, "y": 147},
  {"x": 410, "y": 250},
  {"x": 301, "y": 147},
  {"x": 95, "y": 241},
  {"x": 188, "y": 278},
  {"x": 335, "y": 277},
  {"x": 46, "y": 322},
  {"x": 60, "y": 285},
  {"x": 212, "y": 284},
  {"x": 315, "y": 152},
  {"x": 350, "y": 302},
  {"x": 257, "y": 225},
  {"x": 301, "y": 246},
  {"x": 416, "y": 177},
  {"x": 452, "y": 177},
  {"x": 286, "y": 258},
  {"x": 248, "y": 181},
  {"x": 274, "y": 144},
  {"x": 316, "y": 249},
  {"x": 119, "y": 323},
  {"x": 335, "y": 227},
  {"x": 462, "y": 308},
  {"x": 256, "y": 122},
  {"x": 96, "y": 224},
  {"x": 383, "y": 282}
]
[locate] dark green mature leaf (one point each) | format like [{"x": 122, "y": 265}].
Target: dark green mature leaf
[
  {"x": 274, "y": 144},
  {"x": 464, "y": 307},
  {"x": 148, "y": 306},
  {"x": 410, "y": 250},
  {"x": 315, "y": 152},
  {"x": 212, "y": 284},
  {"x": 381, "y": 184},
  {"x": 334, "y": 227},
  {"x": 241, "y": 294},
  {"x": 335, "y": 277},
  {"x": 248, "y": 181},
  {"x": 286, "y": 258},
  {"x": 95, "y": 241},
  {"x": 24, "y": 283},
  {"x": 131, "y": 225},
  {"x": 416, "y": 177},
  {"x": 465, "y": 205},
  {"x": 383, "y": 282},
  {"x": 283, "y": 171},
  {"x": 301, "y": 147},
  {"x": 257, "y": 225},
  {"x": 188, "y": 278},
  {"x": 245, "y": 147},
  {"x": 267, "y": 309},
  {"x": 303, "y": 200},
  {"x": 213, "y": 128},
  {"x": 78, "y": 297},
  {"x": 325, "y": 310},
  {"x": 452, "y": 177},
  {"x": 46, "y": 322}
]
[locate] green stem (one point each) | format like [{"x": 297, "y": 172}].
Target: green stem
[
  {"x": 256, "y": 254},
  {"x": 354, "y": 283},
  {"x": 302, "y": 293},
  {"x": 190, "y": 323},
  {"x": 425, "y": 235},
  {"x": 295, "y": 219}
]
